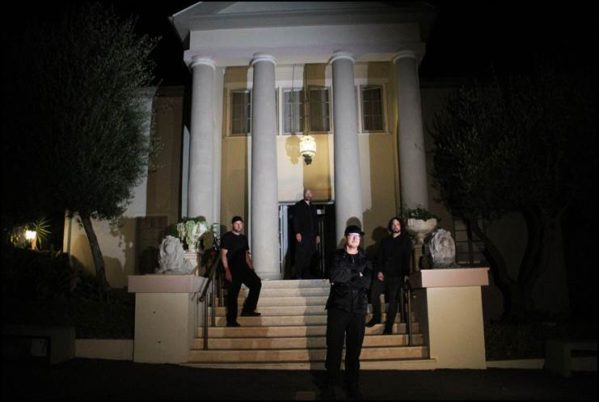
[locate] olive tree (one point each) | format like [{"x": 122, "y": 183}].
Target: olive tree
[
  {"x": 518, "y": 143},
  {"x": 77, "y": 118}
]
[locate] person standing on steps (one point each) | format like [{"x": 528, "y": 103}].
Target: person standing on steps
[
  {"x": 393, "y": 268},
  {"x": 305, "y": 227},
  {"x": 237, "y": 264},
  {"x": 350, "y": 278}
]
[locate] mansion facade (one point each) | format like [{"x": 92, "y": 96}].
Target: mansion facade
[
  {"x": 284, "y": 96},
  {"x": 266, "y": 75}
]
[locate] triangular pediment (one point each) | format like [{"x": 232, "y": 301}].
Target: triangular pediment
[{"x": 234, "y": 15}]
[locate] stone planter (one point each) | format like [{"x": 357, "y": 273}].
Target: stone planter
[
  {"x": 419, "y": 228},
  {"x": 193, "y": 257}
]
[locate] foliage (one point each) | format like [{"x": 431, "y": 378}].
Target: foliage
[
  {"x": 41, "y": 228},
  {"x": 506, "y": 340},
  {"x": 476, "y": 153},
  {"x": 77, "y": 117},
  {"x": 97, "y": 69},
  {"x": 417, "y": 213},
  {"x": 193, "y": 231},
  {"x": 205, "y": 239},
  {"x": 39, "y": 288},
  {"x": 105, "y": 319},
  {"x": 517, "y": 144}
]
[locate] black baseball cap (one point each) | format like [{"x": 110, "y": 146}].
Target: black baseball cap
[{"x": 353, "y": 229}]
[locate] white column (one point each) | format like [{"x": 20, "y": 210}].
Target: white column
[
  {"x": 412, "y": 157},
  {"x": 264, "y": 223},
  {"x": 348, "y": 188},
  {"x": 218, "y": 142},
  {"x": 201, "y": 174}
]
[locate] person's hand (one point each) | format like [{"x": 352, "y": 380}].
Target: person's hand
[
  {"x": 317, "y": 240},
  {"x": 228, "y": 276},
  {"x": 298, "y": 237},
  {"x": 380, "y": 276}
]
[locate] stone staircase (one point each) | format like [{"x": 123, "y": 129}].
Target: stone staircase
[{"x": 291, "y": 334}]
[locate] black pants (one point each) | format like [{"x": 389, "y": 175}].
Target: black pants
[
  {"x": 344, "y": 326},
  {"x": 249, "y": 278},
  {"x": 304, "y": 254},
  {"x": 393, "y": 289}
]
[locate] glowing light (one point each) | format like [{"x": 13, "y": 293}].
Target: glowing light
[{"x": 307, "y": 148}]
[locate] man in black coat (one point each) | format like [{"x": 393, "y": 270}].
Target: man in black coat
[
  {"x": 392, "y": 268},
  {"x": 346, "y": 312},
  {"x": 305, "y": 227}
]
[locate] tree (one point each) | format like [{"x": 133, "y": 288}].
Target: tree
[
  {"x": 521, "y": 143},
  {"x": 78, "y": 118}
]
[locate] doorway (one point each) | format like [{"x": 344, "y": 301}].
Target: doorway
[{"x": 325, "y": 250}]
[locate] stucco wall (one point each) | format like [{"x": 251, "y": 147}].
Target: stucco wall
[
  {"x": 119, "y": 243},
  {"x": 378, "y": 152}
]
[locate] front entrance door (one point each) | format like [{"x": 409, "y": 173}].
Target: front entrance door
[{"x": 326, "y": 248}]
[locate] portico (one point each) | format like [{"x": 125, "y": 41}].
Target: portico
[{"x": 344, "y": 50}]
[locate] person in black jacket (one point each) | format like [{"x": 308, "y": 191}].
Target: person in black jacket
[
  {"x": 305, "y": 226},
  {"x": 238, "y": 268},
  {"x": 393, "y": 267},
  {"x": 350, "y": 278}
]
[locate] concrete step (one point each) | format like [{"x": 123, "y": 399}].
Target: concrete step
[
  {"x": 302, "y": 342},
  {"x": 277, "y": 311},
  {"x": 281, "y": 320},
  {"x": 295, "y": 283},
  {"x": 303, "y": 355},
  {"x": 291, "y": 334},
  {"x": 266, "y": 320},
  {"x": 290, "y": 331},
  {"x": 280, "y": 310},
  {"x": 290, "y": 292},
  {"x": 290, "y": 301}
]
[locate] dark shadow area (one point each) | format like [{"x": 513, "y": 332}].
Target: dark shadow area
[
  {"x": 110, "y": 380},
  {"x": 148, "y": 260}
]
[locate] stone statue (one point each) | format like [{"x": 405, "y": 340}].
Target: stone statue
[
  {"x": 442, "y": 249},
  {"x": 172, "y": 259}
]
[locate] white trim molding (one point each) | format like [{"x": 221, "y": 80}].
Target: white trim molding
[{"x": 197, "y": 60}]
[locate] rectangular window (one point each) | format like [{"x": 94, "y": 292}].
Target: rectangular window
[
  {"x": 372, "y": 108},
  {"x": 468, "y": 247},
  {"x": 241, "y": 112},
  {"x": 293, "y": 109},
  {"x": 319, "y": 109}
]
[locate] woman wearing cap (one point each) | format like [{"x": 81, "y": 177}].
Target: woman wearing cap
[{"x": 346, "y": 311}]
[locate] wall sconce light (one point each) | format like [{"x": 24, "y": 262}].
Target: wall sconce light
[
  {"x": 307, "y": 148},
  {"x": 31, "y": 235}
]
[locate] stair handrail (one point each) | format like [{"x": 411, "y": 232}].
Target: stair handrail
[
  {"x": 408, "y": 293},
  {"x": 210, "y": 283}
]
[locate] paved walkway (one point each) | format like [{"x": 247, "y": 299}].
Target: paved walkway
[{"x": 106, "y": 379}]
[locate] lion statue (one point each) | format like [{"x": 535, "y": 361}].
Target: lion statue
[
  {"x": 442, "y": 249},
  {"x": 172, "y": 259}
]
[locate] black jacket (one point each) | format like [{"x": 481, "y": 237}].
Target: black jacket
[
  {"x": 395, "y": 255},
  {"x": 350, "y": 280},
  {"x": 305, "y": 219}
]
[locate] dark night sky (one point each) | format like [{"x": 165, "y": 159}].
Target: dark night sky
[{"x": 467, "y": 37}]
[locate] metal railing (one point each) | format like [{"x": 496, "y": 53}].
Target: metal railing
[
  {"x": 213, "y": 283},
  {"x": 408, "y": 305}
]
